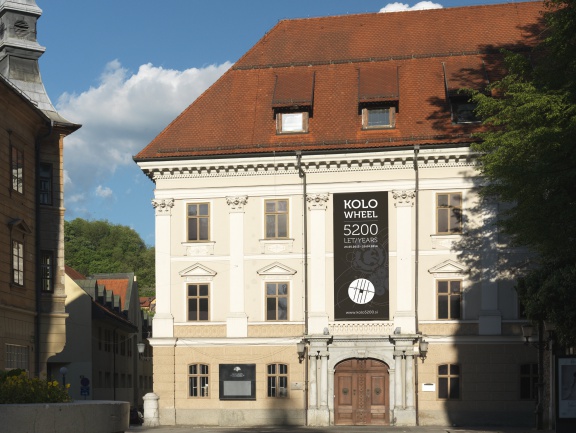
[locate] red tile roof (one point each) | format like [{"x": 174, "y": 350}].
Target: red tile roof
[
  {"x": 431, "y": 49},
  {"x": 118, "y": 287},
  {"x": 73, "y": 273}
]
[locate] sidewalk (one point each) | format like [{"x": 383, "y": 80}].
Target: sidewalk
[{"x": 331, "y": 429}]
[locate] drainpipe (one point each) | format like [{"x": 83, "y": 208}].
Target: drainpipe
[
  {"x": 302, "y": 175},
  {"x": 416, "y": 257},
  {"x": 37, "y": 230}
]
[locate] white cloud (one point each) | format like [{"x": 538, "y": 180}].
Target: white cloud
[
  {"x": 103, "y": 191},
  {"x": 120, "y": 116},
  {"x": 400, "y": 7}
]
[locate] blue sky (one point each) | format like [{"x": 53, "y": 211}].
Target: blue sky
[{"x": 125, "y": 68}]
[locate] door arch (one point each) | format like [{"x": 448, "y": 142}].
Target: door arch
[{"x": 361, "y": 392}]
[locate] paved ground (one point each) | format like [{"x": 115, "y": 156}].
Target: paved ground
[{"x": 332, "y": 429}]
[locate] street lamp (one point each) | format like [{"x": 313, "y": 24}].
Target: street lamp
[
  {"x": 301, "y": 349},
  {"x": 141, "y": 349},
  {"x": 423, "y": 349}
]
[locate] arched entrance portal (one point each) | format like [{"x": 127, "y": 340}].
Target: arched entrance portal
[{"x": 362, "y": 393}]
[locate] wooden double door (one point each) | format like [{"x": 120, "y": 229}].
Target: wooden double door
[{"x": 361, "y": 393}]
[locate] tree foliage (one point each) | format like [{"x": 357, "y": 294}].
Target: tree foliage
[
  {"x": 529, "y": 157},
  {"x": 93, "y": 247}
]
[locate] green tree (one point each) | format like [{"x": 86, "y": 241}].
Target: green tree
[
  {"x": 93, "y": 247},
  {"x": 528, "y": 155}
]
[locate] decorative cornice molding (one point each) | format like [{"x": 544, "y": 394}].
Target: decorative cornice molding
[
  {"x": 237, "y": 203},
  {"x": 317, "y": 201},
  {"x": 404, "y": 198},
  {"x": 163, "y": 206},
  {"x": 329, "y": 163}
]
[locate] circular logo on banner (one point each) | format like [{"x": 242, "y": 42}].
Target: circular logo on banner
[{"x": 361, "y": 291}]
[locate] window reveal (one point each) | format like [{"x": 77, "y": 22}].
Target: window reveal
[
  {"x": 449, "y": 299},
  {"x": 198, "y": 380},
  {"x": 198, "y": 302},
  {"x": 198, "y": 222},
  {"x": 276, "y": 217},
  {"x": 278, "y": 380},
  {"x": 449, "y": 213},
  {"x": 276, "y": 301}
]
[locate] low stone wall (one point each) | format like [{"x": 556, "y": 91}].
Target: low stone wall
[{"x": 77, "y": 417}]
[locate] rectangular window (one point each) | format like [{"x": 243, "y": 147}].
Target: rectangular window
[
  {"x": 528, "y": 381},
  {"x": 198, "y": 302},
  {"x": 198, "y": 222},
  {"x": 276, "y": 301},
  {"x": 45, "y": 178},
  {"x": 449, "y": 382},
  {"x": 278, "y": 380},
  {"x": 463, "y": 109},
  {"x": 449, "y": 213},
  {"x": 198, "y": 380},
  {"x": 296, "y": 122},
  {"x": 17, "y": 172},
  {"x": 449, "y": 294},
  {"x": 16, "y": 357},
  {"x": 276, "y": 217},
  {"x": 47, "y": 271},
  {"x": 18, "y": 263},
  {"x": 378, "y": 117}
]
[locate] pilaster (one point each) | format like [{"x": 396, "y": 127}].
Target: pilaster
[
  {"x": 163, "y": 322},
  {"x": 237, "y": 320},
  {"x": 405, "y": 317},
  {"x": 317, "y": 317}
]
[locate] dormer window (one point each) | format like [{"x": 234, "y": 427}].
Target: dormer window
[
  {"x": 378, "y": 117},
  {"x": 295, "y": 122},
  {"x": 461, "y": 76},
  {"x": 292, "y": 101},
  {"x": 378, "y": 96}
]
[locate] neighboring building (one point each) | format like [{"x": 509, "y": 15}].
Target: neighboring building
[
  {"x": 323, "y": 192},
  {"x": 148, "y": 303},
  {"x": 32, "y": 316},
  {"x": 103, "y": 327}
]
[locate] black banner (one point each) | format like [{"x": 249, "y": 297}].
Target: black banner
[{"x": 361, "y": 256}]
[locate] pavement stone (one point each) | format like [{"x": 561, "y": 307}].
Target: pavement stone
[{"x": 332, "y": 429}]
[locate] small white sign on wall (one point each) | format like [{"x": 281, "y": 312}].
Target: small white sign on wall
[{"x": 429, "y": 387}]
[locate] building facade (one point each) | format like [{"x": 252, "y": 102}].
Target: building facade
[
  {"x": 103, "y": 328},
  {"x": 32, "y": 314},
  {"x": 322, "y": 253}
]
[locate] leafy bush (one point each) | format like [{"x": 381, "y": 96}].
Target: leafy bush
[{"x": 17, "y": 388}]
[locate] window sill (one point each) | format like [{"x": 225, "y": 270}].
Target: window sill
[
  {"x": 444, "y": 242},
  {"x": 198, "y": 248},
  {"x": 276, "y": 246}
]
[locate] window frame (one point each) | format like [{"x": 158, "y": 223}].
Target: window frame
[
  {"x": 305, "y": 122},
  {"x": 16, "y": 356},
  {"x": 18, "y": 267},
  {"x": 276, "y": 297},
  {"x": 449, "y": 294},
  {"x": 17, "y": 169},
  {"x": 198, "y": 297},
  {"x": 449, "y": 377},
  {"x": 276, "y": 214},
  {"x": 459, "y": 100},
  {"x": 201, "y": 380},
  {"x": 451, "y": 209},
  {"x": 391, "y": 115},
  {"x": 198, "y": 219},
  {"x": 47, "y": 271},
  {"x": 274, "y": 380},
  {"x": 532, "y": 378},
  {"x": 46, "y": 184}
]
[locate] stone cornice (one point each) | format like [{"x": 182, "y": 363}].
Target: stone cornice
[{"x": 328, "y": 163}]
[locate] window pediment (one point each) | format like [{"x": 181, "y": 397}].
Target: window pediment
[
  {"x": 447, "y": 268},
  {"x": 20, "y": 225},
  {"x": 276, "y": 269},
  {"x": 197, "y": 270}
]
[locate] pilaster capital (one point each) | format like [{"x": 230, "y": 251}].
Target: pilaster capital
[
  {"x": 404, "y": 198},
  {"x": 237, "y": 203},
  {"x": 163, "y": 206},
  {"x": 317, "y": 201}
]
